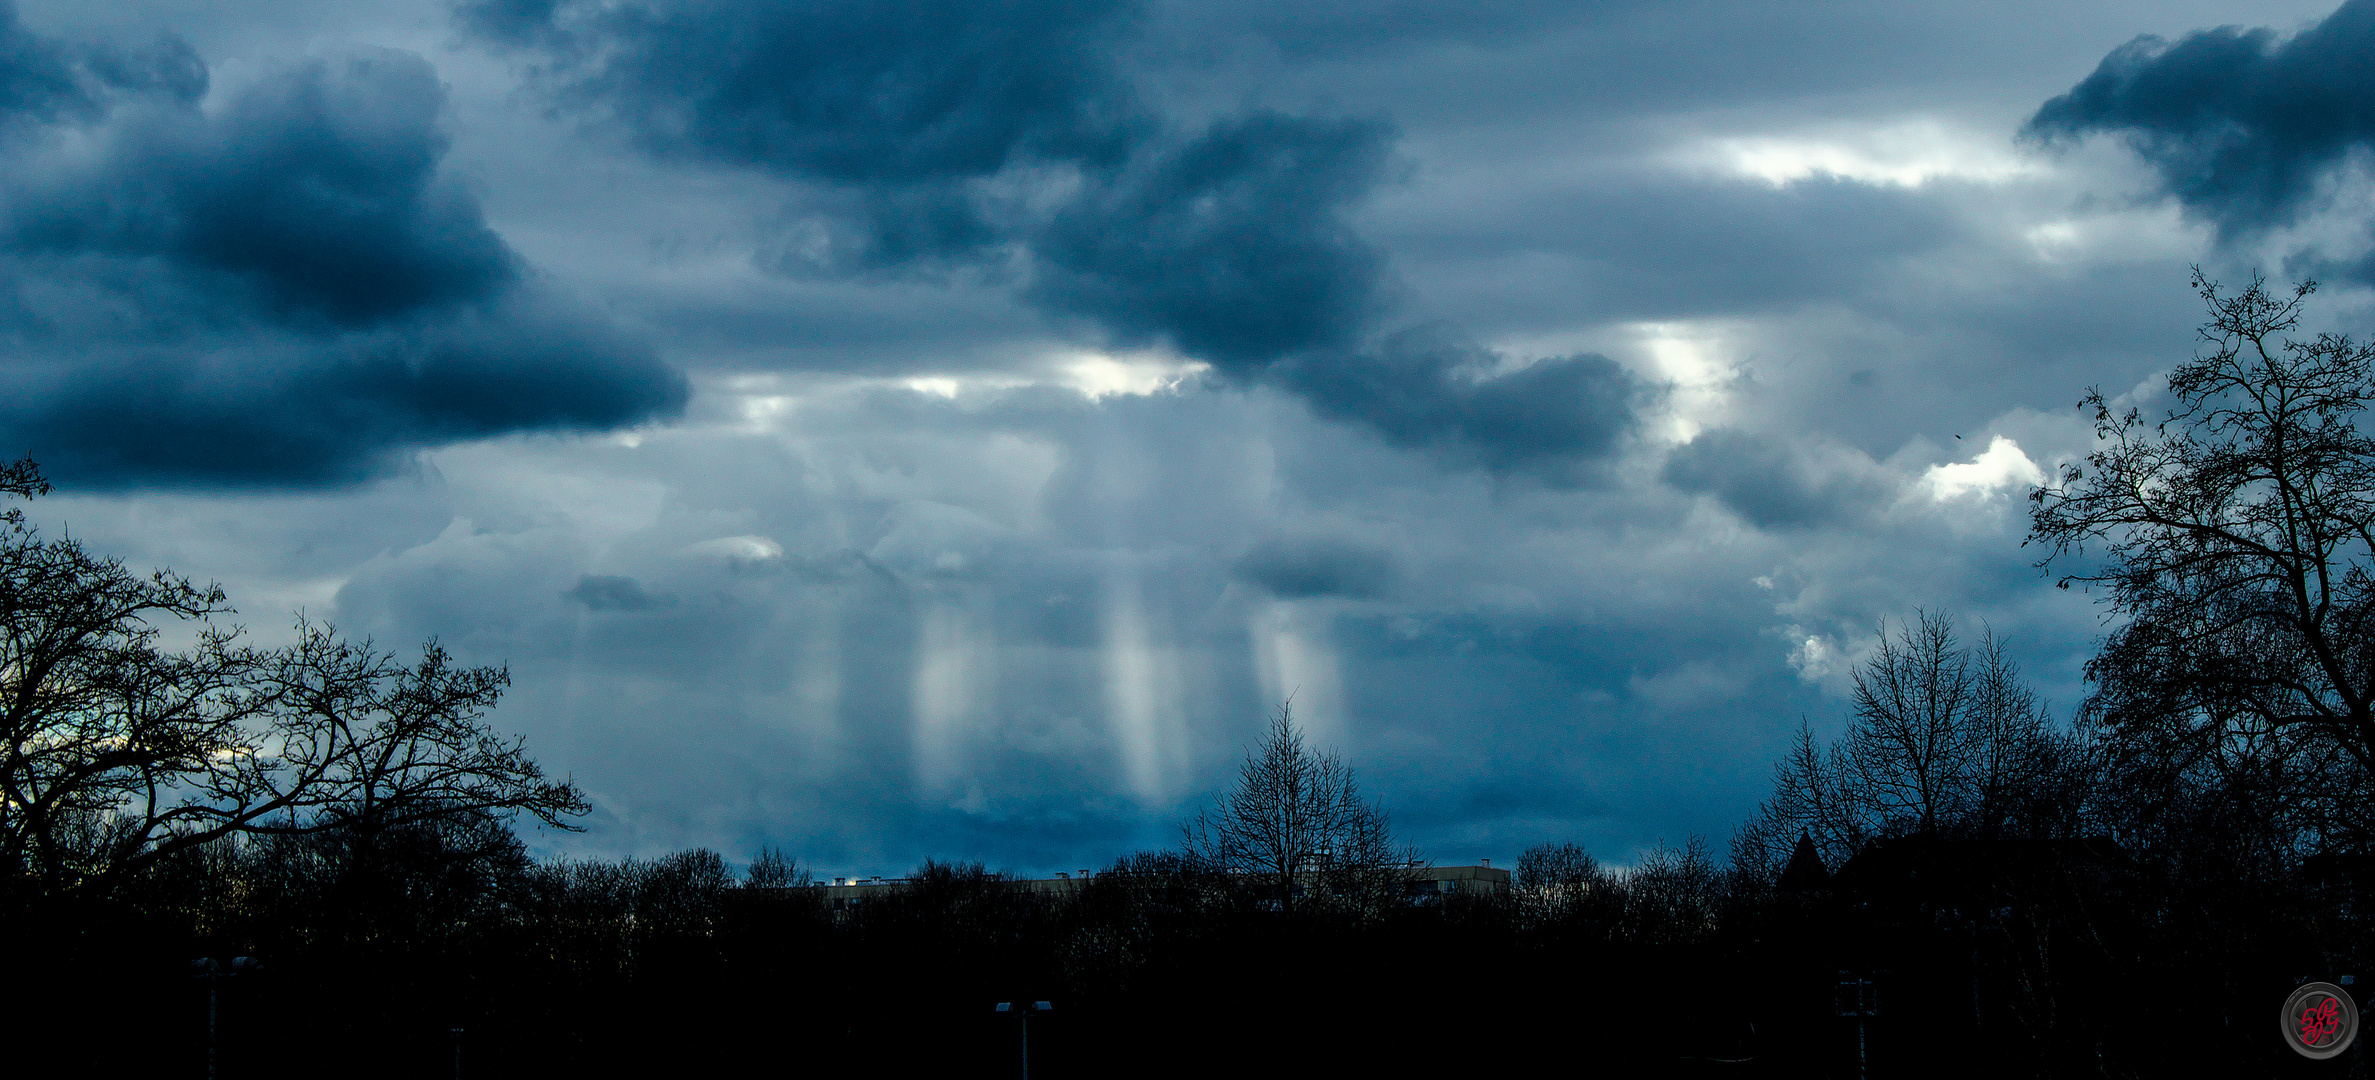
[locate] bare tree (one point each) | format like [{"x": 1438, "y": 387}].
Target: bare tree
[
  {"x": 1813, "y": 794},
  {"x": 1911, "y": 745},
  {"x": 2235, "y": 535},
  {"x": 1560, "y": 882},
  {"x": 115, "y": 753},
  {"x": 1672, "y": 897},
  {"x": 1548, "y": 868},
  {"x": 1944, "y": 739},
  {"x": 1296, "y": 821},
  {"x": 772, "y": 868}
]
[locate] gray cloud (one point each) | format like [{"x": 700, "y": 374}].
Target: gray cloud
[
  {"x": 902, "y": 106},
  {"x": 905, "y": 92},
  {"x": 1644, "y": 244},
  {"x": 1232, "y": 247},
  {"x": 1773, "y": 482},
  {"x": 610, "y": 592},
  {"x": 313, "y": 195},
  {"x": 2240, "y": 125},
  {"x": 1556, "y": 417},
  {"x": 915, "y": 122},
  {"x": 1316, "y": 566},
  {"x": 285, "y": 291},
  {"x": 1336, "y": 29},
  {"x": 267, "y": 409},
  {"x": 43, "y": 80}
]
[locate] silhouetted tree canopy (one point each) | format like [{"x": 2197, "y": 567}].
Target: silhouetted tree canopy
[
  {"x": 1943, "y": 739},
  {"x": 1296, "y": 821},
  {"x": 115, "y": 752},
  {"x": 2234, "y": 536}
]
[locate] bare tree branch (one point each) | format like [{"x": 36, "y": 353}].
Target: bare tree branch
[
  {"x": 115, "y": 753},
  {"x": 1296, "y": 822}
]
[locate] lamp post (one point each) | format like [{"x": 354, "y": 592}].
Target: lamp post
[
  {"x": 212, "y": 973},
  {"x": 1025, "y": 1010},
  {"x": 1859, "y": 997}
]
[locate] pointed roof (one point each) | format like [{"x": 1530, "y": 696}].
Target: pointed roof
[{"x": 1805, "y": 871}]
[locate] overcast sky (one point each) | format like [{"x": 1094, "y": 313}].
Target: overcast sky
[{"x": 906, "y": 428}]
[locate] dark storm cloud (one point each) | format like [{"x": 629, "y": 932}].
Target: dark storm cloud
[
  {"x": 286, "y": 291},
  {"x": 266, "y": 409},
  {"x": 1770, "y": 482},
  {"x": 1224, "y": 240},
  {"x": 1232, "y": 247},
  {"x": 1336, "y": 29},
  {"x": 1418, "y": 388},
  {"x": 2241, "y": 126},
  {"x": 315, "y": 194},
  {"x": 906, "y": 103},
  {"x": 853, "y": 91},
  {"x": 908, "y": 230},
  {"x": 1296, "y": 568}
]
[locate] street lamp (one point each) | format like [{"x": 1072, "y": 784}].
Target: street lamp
[
  {"x": 1018, "y": 1008},
  {"x": 1859, "y": 997},
  {"x": 212, "y": 973}
]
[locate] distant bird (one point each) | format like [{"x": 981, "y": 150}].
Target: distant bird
[{"x": 1958, "y": 436}]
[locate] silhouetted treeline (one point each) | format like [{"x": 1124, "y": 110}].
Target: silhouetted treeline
[
  {"x": 2158, "y": 946},
  {"x": 2026, "y": 897},
  {"x": 2142, "y": 915}
]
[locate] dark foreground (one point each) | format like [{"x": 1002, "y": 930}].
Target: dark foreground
[{"x": 1989, "y": 960}]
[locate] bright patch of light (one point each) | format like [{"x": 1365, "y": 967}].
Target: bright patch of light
[
  {"x": 1694, "y": 362},
  {"x": 2000, "y": 466},
  {"x": 736, "y": 549},
  {"x": 1904, "y": 154},
  {"x": 765, "y": 412},
  {"x": 1693, "y": 359},
  {"x": 1098, "y": 375},
  {"x": 1815, "y": 658},
  {"x": 936, "y": 385},
  {"x": 2054, "y": 239},
  {"x": 2153, "y": 232}
]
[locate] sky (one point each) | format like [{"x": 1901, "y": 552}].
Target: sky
[{"x": 892, "y": 429}]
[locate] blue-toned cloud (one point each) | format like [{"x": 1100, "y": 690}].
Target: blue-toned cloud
[
  {"x": 1557, "y": 417},
  {"x": 269, "y": 408},
  {"x": 1308, "y": 566},
  {"x": 903, "y": 107},
  {"x": 1231, "y": 248},
  {"x": 283, "y": 290},
  {"x": 2242, "y": 126},
  {"x": 922, "y": 134},
  {"x": 1774, "y": 483},
  {"x": 612, "y": 592},
  {"x": 43, "y": 80},
  {"x": 313, "y": 195},
  {"x": 1337, "y": 29},
  {"x": 853, "y": 91}
]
